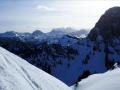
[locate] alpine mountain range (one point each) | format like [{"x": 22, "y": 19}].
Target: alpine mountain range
[{"x": 67, "y": 54}]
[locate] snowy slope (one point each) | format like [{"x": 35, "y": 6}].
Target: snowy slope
[
  {"x": 17, "y": 74},
  {"x": 107, "y": 81}
]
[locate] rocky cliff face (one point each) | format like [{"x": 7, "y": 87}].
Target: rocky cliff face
[{"x": 108, "y": 25}]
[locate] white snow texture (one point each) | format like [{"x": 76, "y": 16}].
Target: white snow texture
[
  {"x": 18, "y": 74},
  {"x": 107, "y": 81}
]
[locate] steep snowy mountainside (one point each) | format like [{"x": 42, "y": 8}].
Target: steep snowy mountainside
[
  {"x": 17, "y": 74},
  {"x": 106, "y": 81}
]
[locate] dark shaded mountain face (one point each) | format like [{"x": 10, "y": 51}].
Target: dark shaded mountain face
[
  {"x": 43, "y": 55},
  {"x": 106, "y": 33},
  {"x": 71, "y": 59},
  {"x": 37, "y": 33},
  {"x": 108, "y": 25}
]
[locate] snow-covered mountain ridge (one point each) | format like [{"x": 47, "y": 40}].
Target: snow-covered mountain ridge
[
  {"x": 39, "y": 36},
  {"x": 17, "y": 74}
]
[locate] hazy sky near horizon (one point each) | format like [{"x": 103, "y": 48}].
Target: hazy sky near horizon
[{"x": 29, "y": 15}]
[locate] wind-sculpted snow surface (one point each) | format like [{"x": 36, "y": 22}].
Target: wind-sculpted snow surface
[
  {"x": 107, "y": 81},
  {"x": 17, "y": 74}
]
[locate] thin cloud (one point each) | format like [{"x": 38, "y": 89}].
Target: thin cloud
[{"x": 45, "y": 8}]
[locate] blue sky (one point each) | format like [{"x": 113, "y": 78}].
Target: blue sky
[{"x": 29, "y": 15}]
